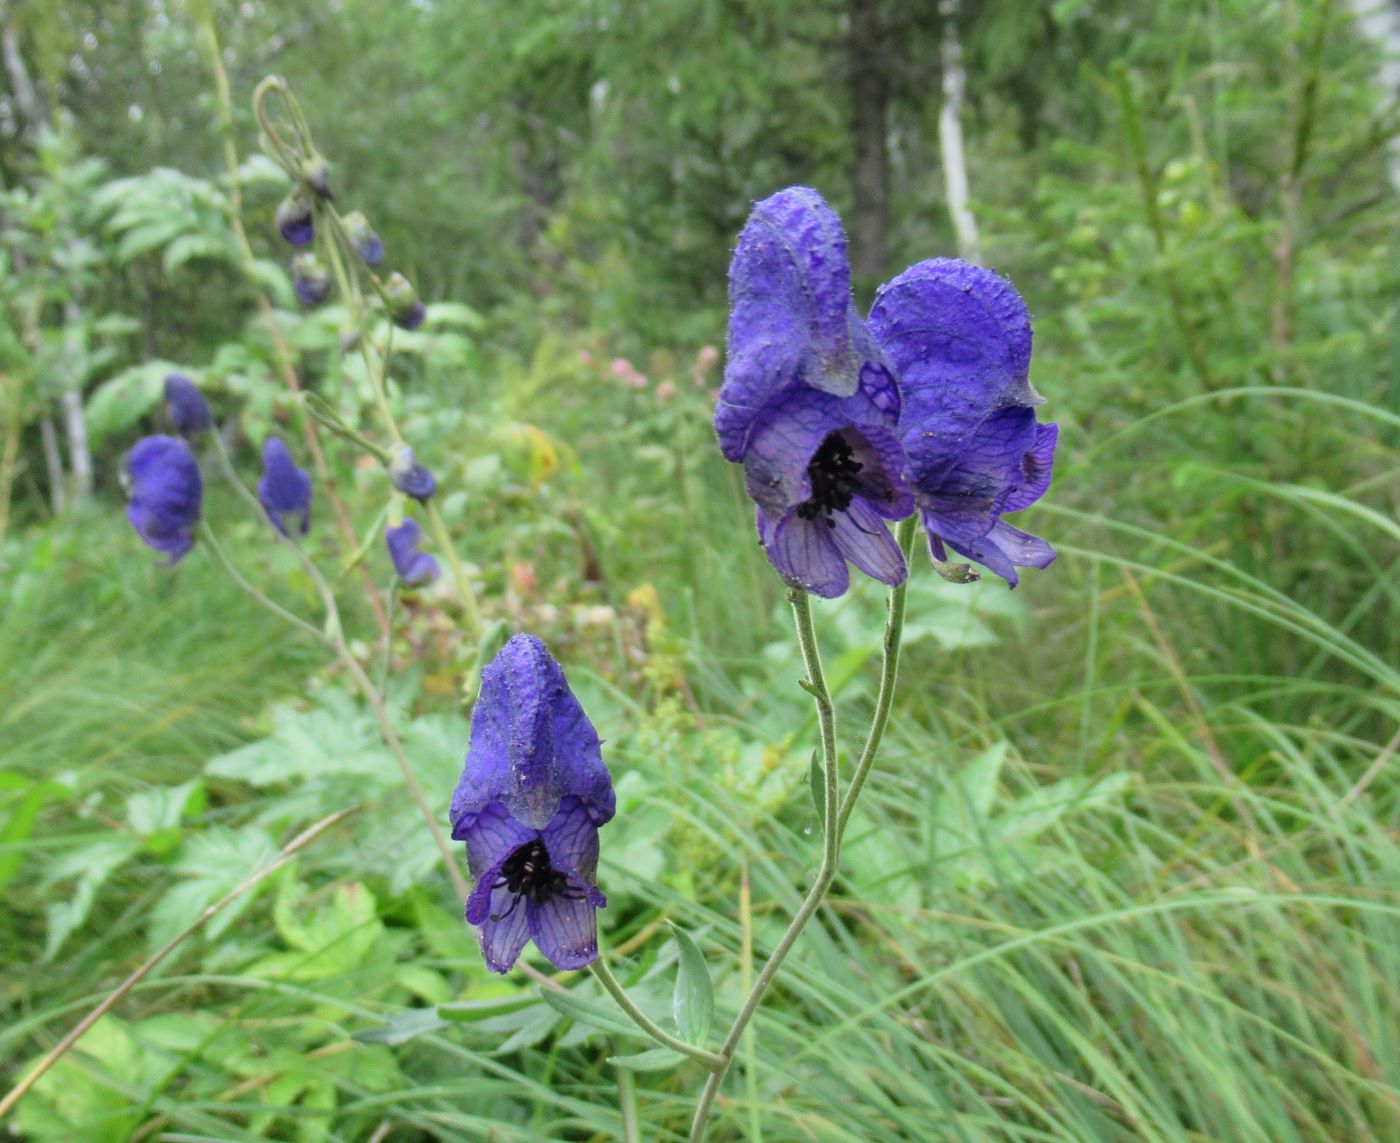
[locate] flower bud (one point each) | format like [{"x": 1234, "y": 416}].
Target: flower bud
[
  {"x": 366, "y": 242},
  {"x": 310, "y": 279},
  {"x": 316, "y": 173},
  {"x": 294, "y": 218},
  {"x": 415, "y": 568},
  {"x": 410, "y": 477},
  {"x": 188, "y": 408},
  {"x": 405, "y": 310},
  {"x": 284, "y": 489}
]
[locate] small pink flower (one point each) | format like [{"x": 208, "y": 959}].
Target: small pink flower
[
  {"x": 666, "y": 390},
  {"x": 584, "y": 357},
  {"x": 627, "y": 373},
  {"x": 704, "y": 362}
]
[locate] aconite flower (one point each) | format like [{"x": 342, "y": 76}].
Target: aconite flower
[
  {"x": 405, "y": 310},
  {"x": 284, "y": 489},
  {"x": 959, "y": 338},
  {"x": 368, "y": 245},
  {"x": 311, "y": 281},
  {"x": 294, "y": 218},
  {"x": 809, "y": 404},
  {"x": 529, "y": 804},
  {"x": 189, "y": 411},
  {"x": 166, "y": 494},
  {"x": 415, "y": 568}
]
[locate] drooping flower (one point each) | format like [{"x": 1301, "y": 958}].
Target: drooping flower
[
  {"x": 809, "y": 404},
  {"x": 294, "y": 218},
  {"x": 959, "y": 338},
  {"x": 415, "y": 568},
  {"x": 411, "y": 477},
  {"x": 367, "y": 243},
  {"x": 188, "y": 409},
  {"x": 529, "y": 804},
  {"x": 316, "y": 173},
  {"x": 311, "y": 281},
  {"x": 166, "y": 494},
  {"x": 405, "y": 310},
  {"x": 284, "y": 489}
]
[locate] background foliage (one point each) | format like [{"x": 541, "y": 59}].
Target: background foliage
[{"x": 1128, "y": 869}]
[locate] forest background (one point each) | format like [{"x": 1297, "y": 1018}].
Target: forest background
[{"x": 1128, "y": 868}]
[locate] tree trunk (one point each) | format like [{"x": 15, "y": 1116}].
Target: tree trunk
[
  {"x": 870, "y": 96},
  {"x": 950, "y": 139},
  {"x": 53, "y": 461}
]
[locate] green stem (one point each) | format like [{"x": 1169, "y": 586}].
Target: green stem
[
  {"x": 459, "y": 574},
  {"x": 614, "y": 988},
  {"x": 627, "y": 1097},
  {"x": 336, "y": 638},
  {"x": 212, "y": 543},
  {"x": 815, "y": 685},
  {"x": 889, "y": 676}
]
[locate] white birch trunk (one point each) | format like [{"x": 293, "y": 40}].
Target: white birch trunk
[{"x": 950, "y": 138}]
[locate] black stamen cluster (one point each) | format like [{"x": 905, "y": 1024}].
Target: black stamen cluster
[
  {"x": 833, "y": 471},
  {"x": 529, "y": 875}
]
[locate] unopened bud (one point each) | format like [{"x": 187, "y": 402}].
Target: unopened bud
[
  {"x": 294, "y": 218},
  {"x": 366, "y": 242},
  {"x": 316, "y": 173},
  {"x": 405, "y": 310},
  {"x": 410, "y": 477},
  {"x": 310, "y": 279}
]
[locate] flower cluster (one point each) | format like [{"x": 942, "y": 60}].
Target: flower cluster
[
  {"x": 167, "y": 491},
  {"x": 842, "y": 424},
  {"x": 531, "y": 798}
]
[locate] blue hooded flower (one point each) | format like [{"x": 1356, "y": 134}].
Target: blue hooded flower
[
  {"x": 311, "y": 281},
  {"x": 809, "y": 404},
  {"x": 368, "y": 245},
  {"x": 959, "y": 338},
  {"x": 529, "y": 804},
  {"x": 166, "y": 494},
  {"x": 294, "y": 219},
  {"x": 285, "y": 489},
  {"x": 188, "y": 409},
  {"x": 405, "y": 310},
  {"x": 415, "y": 568},
  {"x": 410, "y": 477}
]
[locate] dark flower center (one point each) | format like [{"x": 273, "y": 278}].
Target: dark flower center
[
  {"x": 528, "y": 874},
  {"x": 833, "y": 471}
]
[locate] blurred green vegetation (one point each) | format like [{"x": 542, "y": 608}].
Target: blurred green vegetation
[{"x": 1128, "y": 868}]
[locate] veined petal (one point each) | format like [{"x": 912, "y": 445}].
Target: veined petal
[
  {"x": 565, "y": 928},
  {"x": 491, "y": 836},
  {"x": 1037, "y": 466},
  {"x": 863, "y": 537},
  {"x": 571, "y": 839},
  {"x": 805, "y": 553},
  {"x": 1004, "y": 549},
  {"x": 504, "y": 929},
  {"x": 788, "y": 433}
]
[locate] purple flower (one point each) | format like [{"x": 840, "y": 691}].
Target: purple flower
[
  {"x": 528, "y": 805},
  {"x": 166, "y": 493},
  {"x": 294, "y": 219},
  {"x": 285, "y": 490},
  {"x": 959, "y": 338},
  {"x": 410, "y": 477},
  {"x": 809, "y": 404},
  {"x": 367, "y": 243},
  {"x": 415, "y": 568},
  {"x": 188, "y": 408},
  {"x": 310, "y": 279}
]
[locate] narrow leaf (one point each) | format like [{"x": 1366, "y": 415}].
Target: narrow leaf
[
  {"x": 652, "y": 1060},
  {"x": 694, "y": 998},
  {"x": 586, "y": 1012}
]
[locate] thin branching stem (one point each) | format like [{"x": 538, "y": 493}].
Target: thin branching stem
[{"x": 613, "y": 987}]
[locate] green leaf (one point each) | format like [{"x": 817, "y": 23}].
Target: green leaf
[
  {"x": 694, "y": 999},
  {"x": 407, "y": 1025},
  {"x": 92, "y": 864},
  {"x": 471, "y": 1011},
  {"x": 652, "y": 1060},
  {"x": 586, "y": 1012}
]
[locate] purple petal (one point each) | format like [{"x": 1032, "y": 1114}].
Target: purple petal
[
  {"x": 504, "y": 930},
  {"x": 804, "y": 553},
  {"x": 284, "y": 489},
  {"x": 415, "y": 568},
  {"x": 571, "y": 840},
  {"x": 531, "y": 743},
  {"x": 1036, "y": 468},
  {"x": 862, "y": 537},
  {"x": 491, "y": 837},
  {"x": 792, "y": 322},
  {"x": 786, "y": 437},
  {"x": 1004, "y": 549},
  {"x": 167, "y": 494},
  {"x": 565, "y": 929}
]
